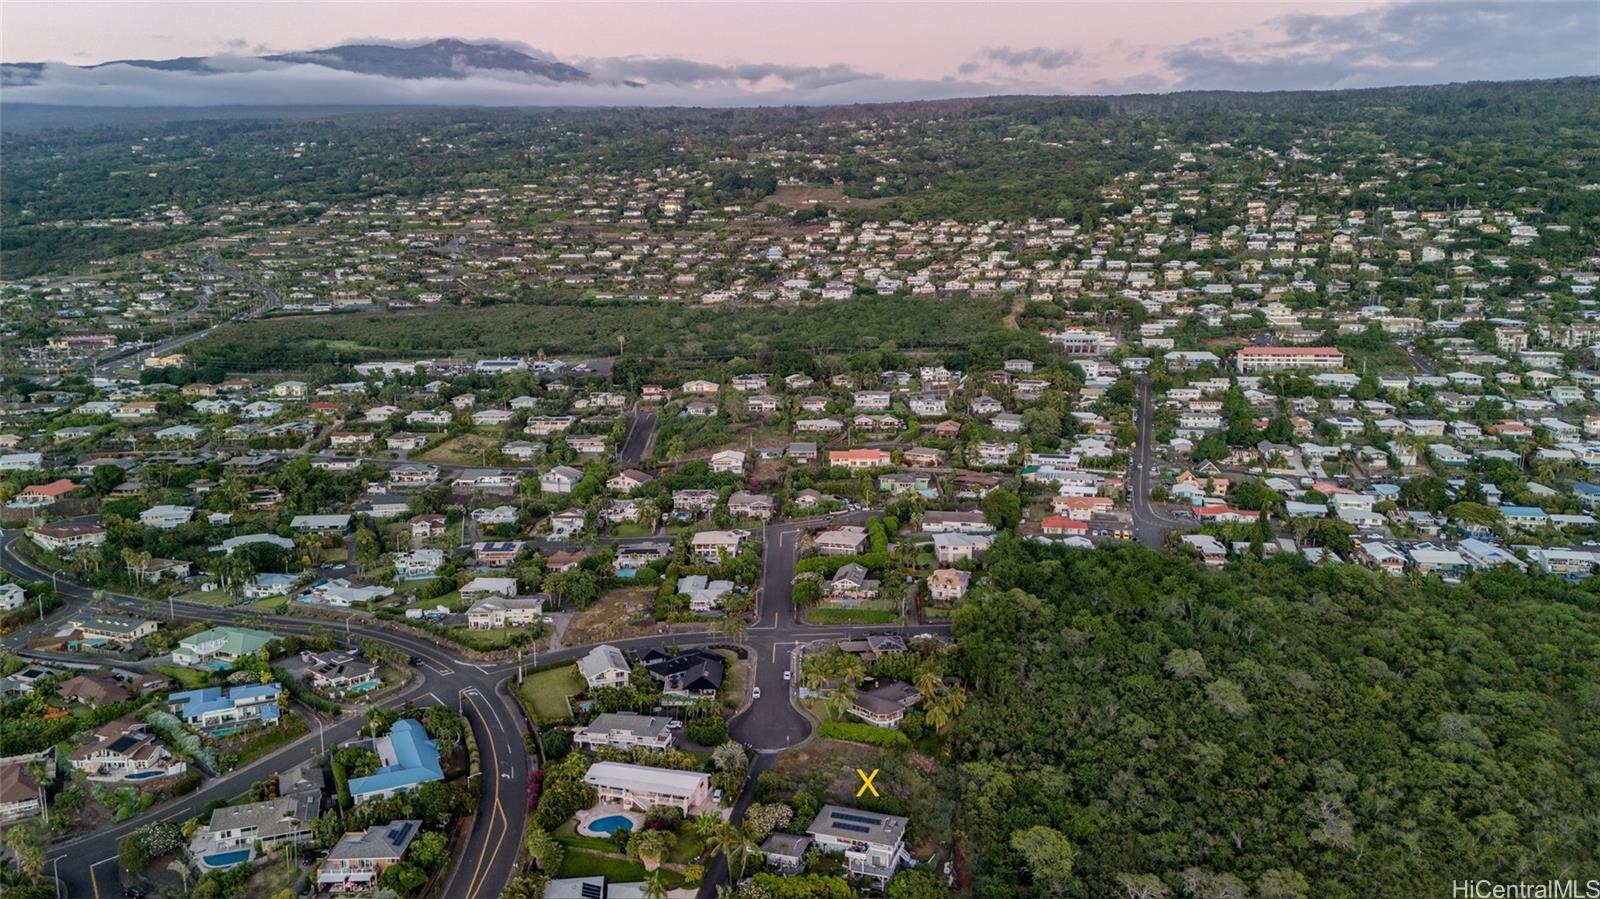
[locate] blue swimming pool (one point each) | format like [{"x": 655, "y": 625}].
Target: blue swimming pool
[
  {"x": 610, "y": 824},
  {"x": 144, "y": 775},
  {"x": 227, "y": 859}
]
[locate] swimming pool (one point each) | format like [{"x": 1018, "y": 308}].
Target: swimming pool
[
  {"x": 227, "y": 859},
  {"x": 143, "y": 775},
  {"x": 610, "y": 824}
]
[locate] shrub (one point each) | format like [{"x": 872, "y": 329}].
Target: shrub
[
  {"x": 863, "y": 733},
  {"x": 708, "y": 731}
]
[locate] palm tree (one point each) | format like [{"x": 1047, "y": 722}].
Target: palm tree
[
  {"x": 520, "y": 640},
  {"x": 733, "y": 627},
  {"x": 538, "y": 843},
  {"x": 936, "y": 715},
  {"x": 180, "y": 868},
  {"x": 705, "y": 825},
  {"x": 734, "y": 844},
  {"x": 927, "y": 681},
  {"x": 842, "y": 700},
  {"x": 655, "y": 885}
]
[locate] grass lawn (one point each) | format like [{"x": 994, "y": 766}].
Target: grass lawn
[
  {"x": 451, "y": 601},
  {"x": 631, "y": 529},
  {"x": 209, "y": 597},
  {"x": 567, "y": 835},
  {"x": 547, "y": 691},
  {"x": 190, "y": 678},
  {"x": 468, "y": 449},
  {"x": 582, "y": 863},
  {"x": 733, "y": 675},
  {"x": 688, "y": 848},
  {"x": 851, "y": 616},
  {"x": 270, "y": 603},
  {"x": 485, "y": 641}
]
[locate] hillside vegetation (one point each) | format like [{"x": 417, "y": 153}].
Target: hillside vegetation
[{"x": 1144, "y": 728}]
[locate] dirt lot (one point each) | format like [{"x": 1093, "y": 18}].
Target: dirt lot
[
  {"x": 805, "y": 196},
  {"x": 834, "y": 759},
  {"x": 618, "y": 615}
]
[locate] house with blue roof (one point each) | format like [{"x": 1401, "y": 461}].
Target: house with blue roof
[
  {"x": 1524, "y": 517},
  {"x": 216, "y": 706},
  {"x": 408, "y": 758},
  {"x": 1588, "y": 494}
]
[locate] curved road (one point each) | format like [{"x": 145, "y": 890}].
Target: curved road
[{"x": 85, "y": 865}]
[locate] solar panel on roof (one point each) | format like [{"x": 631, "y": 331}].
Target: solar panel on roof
[
  {"x": 853, "y": 828},
  {"x": 594, "y": 891},
  {"x": 403, "y": 832},
  {"x": 863, "y": 819}
]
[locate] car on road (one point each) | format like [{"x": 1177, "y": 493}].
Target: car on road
[
  {"x": 788, "y": 675},
  {"x": 414, "y": 661},
  {"x": 755, "y": 693},
  {"x": 674, "y": 724}
]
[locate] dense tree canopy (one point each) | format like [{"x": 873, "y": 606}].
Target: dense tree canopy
[{"x": 1141, "y": 725}]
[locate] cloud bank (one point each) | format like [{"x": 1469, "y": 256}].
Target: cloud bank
[{"x": 1400, "y": 43}]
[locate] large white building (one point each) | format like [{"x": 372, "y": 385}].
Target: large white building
[
  {"x": 643, "y": 787},
  {"x": 1252, "y": 359},
  {"x": 873, "y": 844}
]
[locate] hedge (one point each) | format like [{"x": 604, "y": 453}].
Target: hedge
[{"x": 864, "y": 733}]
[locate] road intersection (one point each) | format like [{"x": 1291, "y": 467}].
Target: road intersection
[{"x": 85, "y": 865}]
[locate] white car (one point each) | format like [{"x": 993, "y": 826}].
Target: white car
[
  {"x": 755, "y": 693},
  {"x": 674, "y": 724},
  {"x": 788, "y": 675}
]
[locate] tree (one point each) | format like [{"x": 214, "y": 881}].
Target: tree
[
  {"x": 649, "y": 847},
  {"x": 403, "y": 877},
  {"x": 1048, "y": 854},
  {"x": 429, "y": 851},
  {"x": 520, "y": 639},
  {"x": 538, "y": 843},
  {"x": 1002, "y": 509},
  {"x": 916, "y": 883},
  {"x": 27, "y": 846},
  {"x": 181, "y": 868}
]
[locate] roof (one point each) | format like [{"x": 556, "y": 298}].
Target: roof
[
  {"x": 236, "y": 641},
  {"x": 644, "y": 778},
  {"x": 601, "y": 659},
  {"x": 268, "y": 816},
  {"x": 16, "y": 785},
  {"x": 411, "y": 759},
  {"x": 853, "y": 825},
  {"x": 645, "y": 726},
  {"x": 1288, "y": 350},
  {"x": 381, "y": 842}
]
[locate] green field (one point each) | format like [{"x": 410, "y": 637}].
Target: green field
[
  {"x": 582, "y": 863},
  {"x": 659, "y": 330},
  {"x": 546, "y": 692}
]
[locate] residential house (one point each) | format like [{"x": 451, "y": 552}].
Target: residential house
[
  {"x": 948, "y": 584},
  {"x": 220, "y": 646},
  {"x": 643, "y": 787},
  {"x": 212, "y": 707},
  {"x": 502, "y": 612},
  {"x": 886, "y": 705},
  {"x": 359, "y": 859},
  {"x": 407, "y": 759},
  {"x": 624, "y": 730},
  {"x": 605, "y": 666},
  {"x": 873, "y": 844}
]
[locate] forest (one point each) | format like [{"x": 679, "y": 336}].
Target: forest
[{"x": 1144, "y": 728}]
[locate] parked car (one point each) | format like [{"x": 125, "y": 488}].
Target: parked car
[{"x": 755, "y": 693}]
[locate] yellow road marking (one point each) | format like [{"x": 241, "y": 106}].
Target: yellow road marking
[{"x": 478, "y": 873}]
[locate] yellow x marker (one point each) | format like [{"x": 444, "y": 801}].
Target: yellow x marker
[{"x": 866, "y": 781}]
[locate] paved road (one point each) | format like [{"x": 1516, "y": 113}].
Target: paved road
[
  {"x": 85, "y": 864},
  {"x": 1150, "y": 524},
  {"x": 641, "y": 427}
]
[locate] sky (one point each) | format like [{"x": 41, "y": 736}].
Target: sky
[{"x": 755, "y": 52}]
